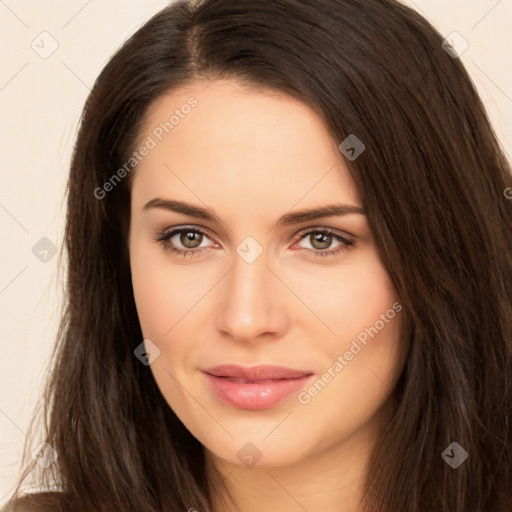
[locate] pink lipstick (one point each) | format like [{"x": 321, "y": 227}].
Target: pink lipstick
[{"x": 255, "y": 387}]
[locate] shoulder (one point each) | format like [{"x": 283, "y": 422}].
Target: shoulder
[{"x": 37, "y": 502}]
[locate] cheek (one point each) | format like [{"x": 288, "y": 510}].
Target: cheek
[
  {"x": 363, "y": 361},
  {"x": 149, "y": 292},
  {"x": 347, "y": 299},
  {"x": 365, "y": 304},
  {"x": 363, "y": 353},
  {"x": 170, "y": 307},
  {"x": 162, "y": 294}
]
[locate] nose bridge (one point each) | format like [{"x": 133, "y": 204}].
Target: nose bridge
[
  {"x": 250, "y": 301},
  {"x": 249, "y": 278}
]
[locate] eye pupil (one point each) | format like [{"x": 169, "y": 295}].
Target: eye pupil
[
  {"x": 324, "y": 240},
  {"x": 187, "y": 237}
]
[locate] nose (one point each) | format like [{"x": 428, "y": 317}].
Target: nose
[{"x": 251, "y": 304}]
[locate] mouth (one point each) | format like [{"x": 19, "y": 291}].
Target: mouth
[
  {"x": 246, "y": 381},
  {"x": 255, "y": 387},
  {"x": 256, "y": 373}
]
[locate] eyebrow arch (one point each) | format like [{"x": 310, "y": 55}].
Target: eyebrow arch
[{"x": 286, "y": 220}]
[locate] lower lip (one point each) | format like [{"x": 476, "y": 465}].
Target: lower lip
[{"x": 255, "y": 395}]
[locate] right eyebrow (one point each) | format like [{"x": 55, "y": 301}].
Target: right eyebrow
[{"x": 182, "y": 207}]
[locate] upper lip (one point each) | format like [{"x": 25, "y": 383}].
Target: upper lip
[{"x": 258, "y": 372}]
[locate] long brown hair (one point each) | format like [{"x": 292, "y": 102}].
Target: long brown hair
[{"x": 432, "y": 180}]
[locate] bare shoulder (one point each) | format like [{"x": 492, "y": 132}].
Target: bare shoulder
[{"x": 37, "y": 502}]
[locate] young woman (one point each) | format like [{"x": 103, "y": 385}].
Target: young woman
[{"x": 289, "y": 273}]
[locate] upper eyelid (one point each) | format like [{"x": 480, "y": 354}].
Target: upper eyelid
[
  {"x": 179, "y": 229},
  {"x": 338, "y": 232}
]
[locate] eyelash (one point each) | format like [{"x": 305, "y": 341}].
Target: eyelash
[{"x": 163, "y": 237}]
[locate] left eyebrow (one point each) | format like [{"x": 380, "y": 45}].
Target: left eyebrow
[
  {"x": 285, "y": 220},
  {"x": 335, "y": 210}
]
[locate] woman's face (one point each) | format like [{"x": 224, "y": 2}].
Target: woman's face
[{"x": 256, "y": 277}]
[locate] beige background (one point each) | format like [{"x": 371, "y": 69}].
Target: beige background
[{"x": 40, "y": 104}]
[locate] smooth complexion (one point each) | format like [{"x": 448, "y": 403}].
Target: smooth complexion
[{"x": 251, "y": 157}]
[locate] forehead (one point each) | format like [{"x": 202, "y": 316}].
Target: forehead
[{"x": 224, "y": 141}]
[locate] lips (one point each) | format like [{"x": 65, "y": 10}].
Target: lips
[
  {"x": 255, "y": 387},
  {"x": 256, "y": 373}
]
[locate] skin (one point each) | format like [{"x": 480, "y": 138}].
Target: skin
[{"x": 251, "y": 156}]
